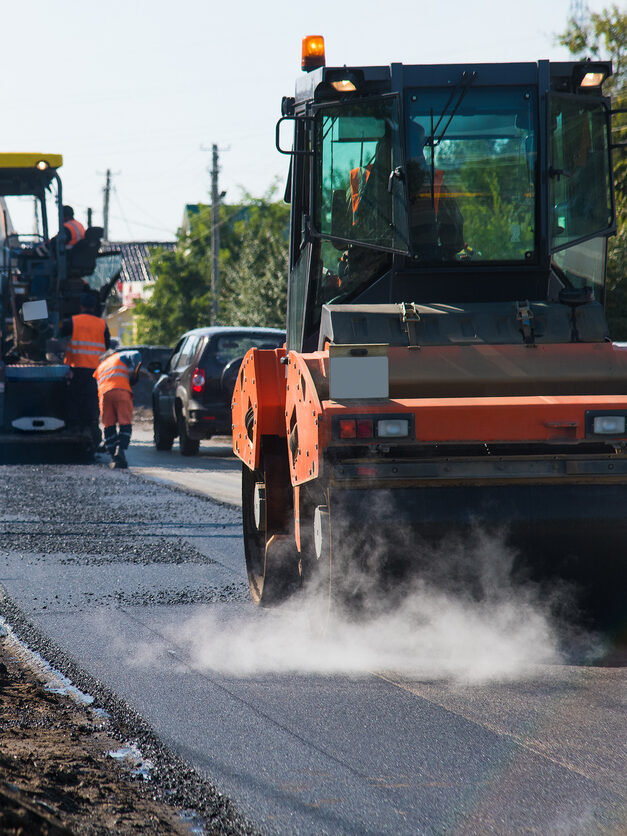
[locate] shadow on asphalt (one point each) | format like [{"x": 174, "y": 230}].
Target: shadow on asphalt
[{"x": 35, "y": 454}]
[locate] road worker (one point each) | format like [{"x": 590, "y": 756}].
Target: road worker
[
  {"x": 88, "y": 338},
  {"x": 73, "y": 231},
  {"x": 115, "y": 375}
]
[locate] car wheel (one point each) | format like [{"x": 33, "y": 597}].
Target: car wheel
[
  {"x": 163, "y": 434},
  {"x": 188, "y": 446}
]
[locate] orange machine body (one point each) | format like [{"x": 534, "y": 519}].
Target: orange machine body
[{"x": 288, "y": 397}]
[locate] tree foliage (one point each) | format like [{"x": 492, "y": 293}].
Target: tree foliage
[
  {"x": 253, "y": 272},
  {"x": 255, "y": 279},
  {"x": 603, "y": 35}
]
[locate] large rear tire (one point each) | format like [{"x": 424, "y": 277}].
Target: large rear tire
[{"x": 269, "y": 546}]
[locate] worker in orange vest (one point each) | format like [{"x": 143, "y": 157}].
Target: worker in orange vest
[
  {"x": 89, "y": 338},
  {"x": 73, "y": 232},
  {"x": 115, "y": 375}
]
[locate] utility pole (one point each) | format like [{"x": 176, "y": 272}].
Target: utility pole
[
  {"x": 105, "y": 210},
  {"x": 215, "y": 236}
]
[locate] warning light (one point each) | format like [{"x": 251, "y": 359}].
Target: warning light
[{"x": 313, "y": 53}]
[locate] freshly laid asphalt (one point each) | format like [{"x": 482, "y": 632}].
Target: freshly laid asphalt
[{"x": 144, "y": 586}]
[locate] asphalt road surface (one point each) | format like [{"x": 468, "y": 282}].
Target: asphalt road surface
[{"x": 437, "y": 718}]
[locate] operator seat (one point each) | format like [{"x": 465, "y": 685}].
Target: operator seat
[{"x": 81, "y": 259}]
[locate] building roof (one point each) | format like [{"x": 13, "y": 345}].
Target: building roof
[{"x": 136, "y": 258}]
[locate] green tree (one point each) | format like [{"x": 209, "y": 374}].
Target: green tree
[
  {"x": 255, "y": 277},
  {"x": 253, "y": 272},
  {"x": 603, "y": 35},
  {"x": 181, "y": 296}
]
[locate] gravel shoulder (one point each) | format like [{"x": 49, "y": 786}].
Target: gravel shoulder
[{"x": 57, "y": 775}]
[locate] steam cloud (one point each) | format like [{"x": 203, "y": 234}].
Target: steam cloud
[{"x": 478, "y": 628}]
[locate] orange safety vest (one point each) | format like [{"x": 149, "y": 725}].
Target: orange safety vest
[
  {"x": 358, "y": 179},
  {"x": 76, "y": 230},
  {"x": 112, "y": 373},
  {"x": 87, "y": 342}
]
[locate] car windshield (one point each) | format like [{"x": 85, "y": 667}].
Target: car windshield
[
  {"x": 231, "y": 346},
  {"x": 471, "y": 174}
]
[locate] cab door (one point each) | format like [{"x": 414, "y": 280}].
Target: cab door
[{"x": 580, "y": 187}]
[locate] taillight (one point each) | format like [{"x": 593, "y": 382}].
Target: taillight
[
  {"x": 347, "y": 428},
  {"x": 364, "y": 428},
  {"x": 198, "y": 380},
  {"x": 355, "y": 428}
]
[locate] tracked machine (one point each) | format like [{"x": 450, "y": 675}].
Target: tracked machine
[
  {"x": 41, "y": 282},
  {"x": 448, "y": 362}
]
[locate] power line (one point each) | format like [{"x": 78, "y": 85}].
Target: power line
[{"x": 117, "y": 197}]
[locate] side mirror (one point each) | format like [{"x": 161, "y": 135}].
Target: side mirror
[
  {"x": 155, "y": 367},
  {"x": 293, "y": 152}
]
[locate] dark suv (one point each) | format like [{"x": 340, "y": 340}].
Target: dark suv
[{"x": 192, "y": 397}]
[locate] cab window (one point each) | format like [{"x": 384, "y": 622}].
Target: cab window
[
  {"x": 581, "y": 197},
  {"x": 471, "y": 173},
  {"x": 357, "y": 149}
]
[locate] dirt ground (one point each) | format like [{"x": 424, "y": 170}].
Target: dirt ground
[{"x": 55, "y": 774}]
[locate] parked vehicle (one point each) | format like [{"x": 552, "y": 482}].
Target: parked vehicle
[{"x": 192, "y": 396}]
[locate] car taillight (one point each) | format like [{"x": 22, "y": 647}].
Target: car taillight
[{"x": 198, "y": 380}]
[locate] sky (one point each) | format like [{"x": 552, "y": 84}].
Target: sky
[{"x": 145, "y": 87}]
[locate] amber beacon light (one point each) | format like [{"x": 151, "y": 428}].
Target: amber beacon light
[{"x": 313, "y": 53}]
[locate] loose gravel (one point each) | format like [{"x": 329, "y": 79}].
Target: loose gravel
[{"x": 91, "y": 516}]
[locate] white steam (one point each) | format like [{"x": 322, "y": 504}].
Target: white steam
[{"x": 494, "y": 631}]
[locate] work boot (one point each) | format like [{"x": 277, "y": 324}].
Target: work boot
[{"x": 119, "y": 460}]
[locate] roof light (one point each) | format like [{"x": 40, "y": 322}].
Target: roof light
[
  {"x": 345, "y": 85},
  {"x": 313, "y": 53},
  {"x": 590, "y": 75},
  {"x": 592, "y": 80},
  {"x": 42, "y": 165}
]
